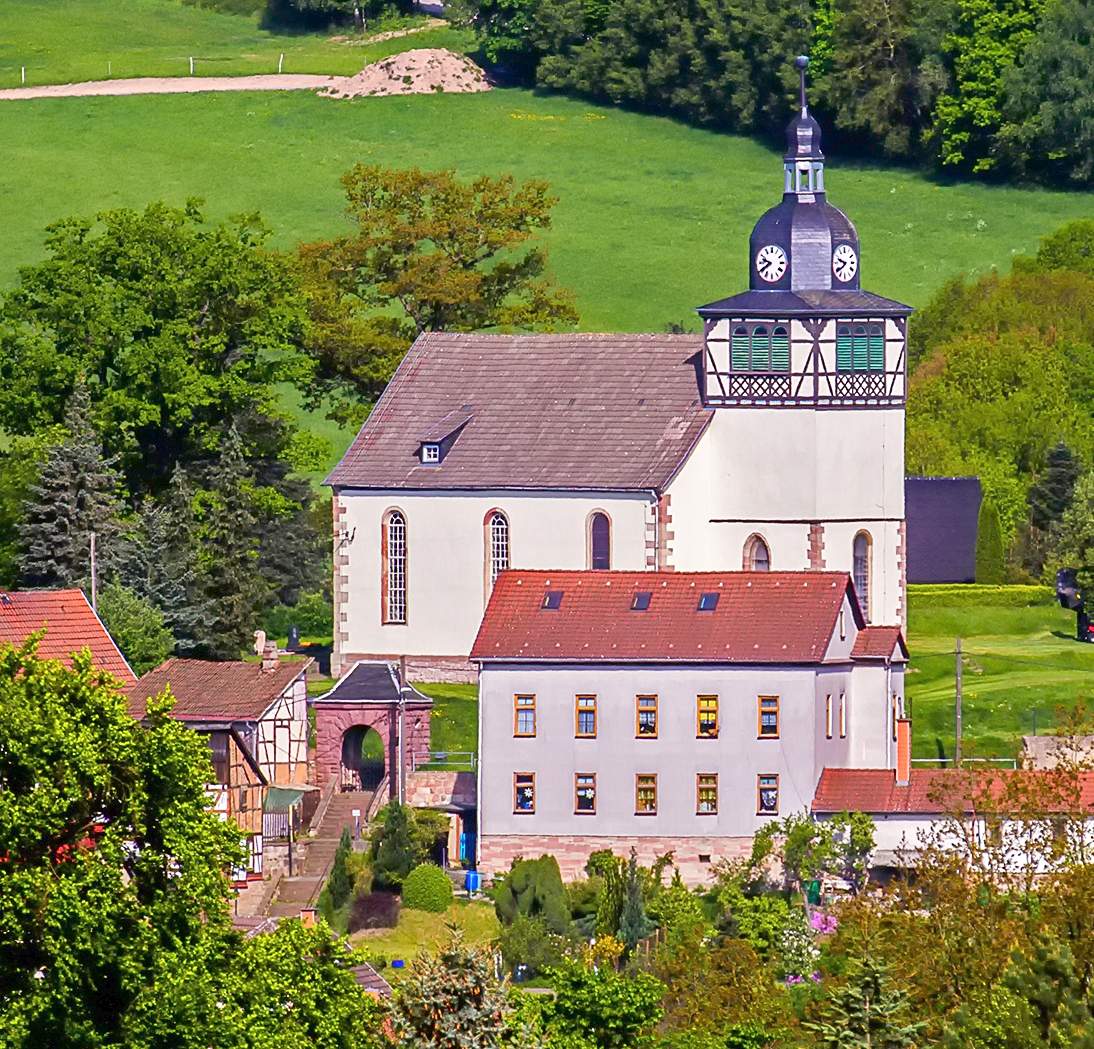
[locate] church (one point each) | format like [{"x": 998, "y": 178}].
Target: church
[{"x": 771, "y": 442}]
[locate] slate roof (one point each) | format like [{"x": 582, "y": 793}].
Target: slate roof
[
  {"x": 760, "y": 617},
  {"x": 942, "y": 514},
  {"x": 834, "y": 303},
  {"x": 597, "y": 412},
  {"x": 70, "y": 624},
  {"x": 207, "y": 691},
  {"x": 929, "y": 791},
  {"x": 369, "y": 681},
  {"x": 879, "y": 642}
]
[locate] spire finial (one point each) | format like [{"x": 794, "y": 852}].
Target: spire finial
[{"x": 801, "y": 63}]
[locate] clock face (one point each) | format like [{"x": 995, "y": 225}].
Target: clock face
[
  {"x": 844, "y": 263},
  {"x": 770, "y": 262}
]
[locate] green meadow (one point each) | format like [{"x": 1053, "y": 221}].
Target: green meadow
[
  {"x": 1021, "y": 665},
  {"x": 109, "y": 39}
]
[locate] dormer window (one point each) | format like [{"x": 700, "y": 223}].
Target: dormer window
[
  {"x": 708, "y": 602},
  {"x": 552, "y": 600},
  {"x": 431, "y": 454},
  {"x": 641, "y": 601}
]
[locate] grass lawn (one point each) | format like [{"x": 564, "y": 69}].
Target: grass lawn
[
  {"x": 653, "y": 216},
  {"x": 1020, "y": 666},
  {"x": 109, "y": 39},
  {"x": 419, "y": 931},
  {"x": 453, "y": 725}
]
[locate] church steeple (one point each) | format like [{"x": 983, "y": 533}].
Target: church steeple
[{"x": 803, "y": 162}]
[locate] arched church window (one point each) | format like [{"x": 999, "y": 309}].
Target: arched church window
[
  {"x": 394, "y": 567},
  {"x": 600, "y": 541},
  {"x": 757, "y": 557},
  {"x": 498, "y": 534},
  {"x": 860, "y": 571}
]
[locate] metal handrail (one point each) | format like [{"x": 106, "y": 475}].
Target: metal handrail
[{"x": 1011, "y": 762}]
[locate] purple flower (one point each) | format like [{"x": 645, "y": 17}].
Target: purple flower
[
  {"x": 817, "y": 977},
  {"x": 792, "y": 979},
  {"x": 823, "y": 923}
]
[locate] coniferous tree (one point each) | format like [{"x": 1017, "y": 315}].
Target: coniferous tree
[
  {"x": 866, "y": 1012},
  {"x": 391, "y": 847},
  {"x": 340, "y": 883},
  {"x": 634, "y": 925},
  {"x": 990, "y": 567},
  {"x": 1050, "y": 496},
  {"x": 231, "y": 583},
  {"x": 77, "y": 494}
]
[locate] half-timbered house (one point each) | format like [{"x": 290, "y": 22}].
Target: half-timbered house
[{"x": 255, "y": 717}]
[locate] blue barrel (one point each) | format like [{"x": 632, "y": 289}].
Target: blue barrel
[{"x": 472, "y": 881}]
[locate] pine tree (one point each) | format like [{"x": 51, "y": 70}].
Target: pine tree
[
  {"x": 633, "y": 923},
  {"x": 866, "y": 1012},
  {"x": 340, "y": 882},
  {"x": 161, "y": 565},
  {"x": 1051, "y": 495},
  {"x": 77, "y": 494},
  {"x": 231, "y": 583},
  {"x": 990, "y": 565},
  {"x": 392, "y": 848}
]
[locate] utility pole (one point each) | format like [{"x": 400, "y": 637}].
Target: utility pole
[
  {"x": 402, "y": 730},
  {"x": 957, "y": 706},
  {"x": 94, "y": 579}
]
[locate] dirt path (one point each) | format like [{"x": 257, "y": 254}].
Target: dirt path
[{"x": 168, "y": 85}]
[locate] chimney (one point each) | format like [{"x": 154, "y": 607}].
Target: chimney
[
  {"x": 269, "y": 657},
  {"x": 903, "y": 752}
]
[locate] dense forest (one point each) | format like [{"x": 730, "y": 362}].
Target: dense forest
[{"x": 995, "y": 88}]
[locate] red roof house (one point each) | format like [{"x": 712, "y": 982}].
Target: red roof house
[{"x": 70, "y": 625}]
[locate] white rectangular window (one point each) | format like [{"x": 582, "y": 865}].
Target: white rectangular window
[{"x": 395, "y": 568}]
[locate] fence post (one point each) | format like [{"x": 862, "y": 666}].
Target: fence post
[
  {"x": 191, "y": 65},
  {"x": 957, "y": 706},
  {"x": 281, "y": 61},
  {"x": 23, "y": 74}
]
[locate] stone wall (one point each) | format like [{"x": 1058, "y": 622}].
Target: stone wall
[
  {"x": 694, "y": 856},
  {"x": 438, "y": 790},
  {"x": 334, "y": 719}
]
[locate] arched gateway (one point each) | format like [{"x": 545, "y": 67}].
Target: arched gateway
[{"x": 357, "y": 728}]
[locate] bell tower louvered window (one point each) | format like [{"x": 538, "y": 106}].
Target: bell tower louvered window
[
  {"x": 860, "y": 348},
  {"x": 760, "y": 348}
]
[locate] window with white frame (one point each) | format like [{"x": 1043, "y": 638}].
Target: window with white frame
[
  {"x": 860, "y": 571},
  {"x": 499, "y": 545},
  {"x": 395, "y": 567}
]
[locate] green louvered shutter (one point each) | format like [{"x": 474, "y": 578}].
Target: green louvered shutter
[
  {"x": 843, "y": 348},
  {"x": 877, "y": 348},
  {"x": 761, "y": 349},
  {"x": 739, "y": 350},
  {"x": 859, "y": 352},
  {"x": 780, "y": 350}
]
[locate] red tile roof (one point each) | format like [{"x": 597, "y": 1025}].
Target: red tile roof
[
  {"x": 761, "y": 617},
  {"x": 601, "y": 412},
  {"x": 206, "y": 691},
  {"x": 929, "y": 791},
  {"x": 879, "y": 642},
  {"x": 70, "y": 625}
]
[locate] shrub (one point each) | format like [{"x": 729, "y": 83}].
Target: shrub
[
  {"x": 534, "y": 888},
  {"x": 990, "y": 565},
  {"x": 529, "y": 942},
  {"x": 374, "y": 910},
  {"x": 402, "y": 839},
  {"x": 312, "y": 614},
  {"x": 427, "y": 888}
]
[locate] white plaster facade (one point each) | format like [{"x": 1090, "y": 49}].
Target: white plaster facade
[
  {"x": 812, "y": 735},
  {"x": 448, "y": 558}
]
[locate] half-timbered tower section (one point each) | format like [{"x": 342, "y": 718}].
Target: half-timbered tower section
[
  {"x": 672, "y": 711},
  {"x": 804, "y": 459}
]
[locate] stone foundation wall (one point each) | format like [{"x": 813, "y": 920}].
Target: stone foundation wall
[
  {"x": 694, "y": 856},
  {"x": 438, "y": 790}
]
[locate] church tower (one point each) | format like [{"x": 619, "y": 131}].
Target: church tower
[{"x": 805, "y": 375}]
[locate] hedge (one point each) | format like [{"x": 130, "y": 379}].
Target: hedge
[{"x": 922, "y": 596}]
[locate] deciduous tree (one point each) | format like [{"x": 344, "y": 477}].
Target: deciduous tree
[{"x": 136, "y": 625}]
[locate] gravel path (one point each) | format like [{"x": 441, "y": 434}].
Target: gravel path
[{"x": 168, "y": 85}]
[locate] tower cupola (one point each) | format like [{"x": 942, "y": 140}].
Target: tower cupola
[{"x": 803, "y": 243}]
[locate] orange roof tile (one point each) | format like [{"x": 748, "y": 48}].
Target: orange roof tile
[
  {"x": 70, "y": 624},
  {"x": 880, "y": 642},
  {"x": 207, "y": 691},
  {"x": 759, "y": 617}
]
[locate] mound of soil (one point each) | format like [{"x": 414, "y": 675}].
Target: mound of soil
[{"x": 420, "y": 72}]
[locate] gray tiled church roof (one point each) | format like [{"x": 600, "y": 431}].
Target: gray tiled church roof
[
  {"x": 605, "y": 412},
  {"x": 810, "y": 303}
]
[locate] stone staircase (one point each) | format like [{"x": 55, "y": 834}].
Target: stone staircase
[{"x": 303, "y": 889}]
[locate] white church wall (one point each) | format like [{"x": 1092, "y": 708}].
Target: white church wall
[
  {"x": 446, "y": 558},
  {"x": 773, "y": 471}
]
